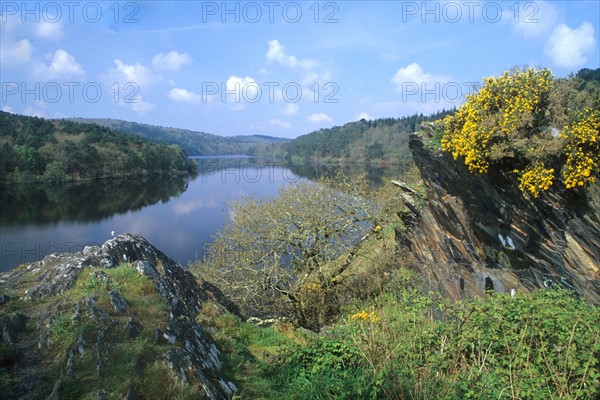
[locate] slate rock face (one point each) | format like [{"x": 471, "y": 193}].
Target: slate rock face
[
  {"x": 193, "y": 355},
  {"x": 473, "y": 233},
  {"x": 12, "y": 326}
]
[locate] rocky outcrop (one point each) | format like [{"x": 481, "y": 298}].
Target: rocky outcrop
[
  {"x": 471, "y": 233},
  {"x": 90, "y": 320}
]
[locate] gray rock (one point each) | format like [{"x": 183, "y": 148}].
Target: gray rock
[
  {"x": 69, "y": 369},
  {"x": 57, "y": 273},
  {"x": 132, "y": 329},
  {"x": 476, "y": 232},
  {"x": 195, "y": 358},
  {"x": 131, "y": 393},
  {"x": 56, "y": 390},
  {"x": 157, "y": 336},
  {"x": 12, "y": 326},
  {"x": 117, "y": 301}
]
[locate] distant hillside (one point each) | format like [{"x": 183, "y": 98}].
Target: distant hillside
[
  {"x": 379, "y": 141},
  {"x": 193, "y": 142},
  {"x": 37, "y": 149}
]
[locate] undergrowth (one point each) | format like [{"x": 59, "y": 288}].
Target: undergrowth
[{"x": 406, "y": 345}]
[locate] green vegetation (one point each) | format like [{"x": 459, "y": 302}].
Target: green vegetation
[
  {"x": 382, "y": 141},
  {"x": 321, "y": 262},
  {"x": 124, "y": 355},
  {"x": 406, "y": 345},
  {"x": 291, "y": 255},
  {"x": 374, "y": 332},
  {"x": 195, "y": 143},
  {"x": 7, "y": 358},
  {"x": 36, "y": 149},
  {"x": 527, "y": 124}
]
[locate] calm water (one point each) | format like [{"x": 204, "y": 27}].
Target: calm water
[{"x": 177, "y": 215}]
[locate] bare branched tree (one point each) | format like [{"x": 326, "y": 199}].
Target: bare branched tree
[{"x": 285, "y": 255}]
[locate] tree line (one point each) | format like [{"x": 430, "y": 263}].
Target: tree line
[
  {"x": 382, "y": 140},
  {"x": 37, "y": 149}
]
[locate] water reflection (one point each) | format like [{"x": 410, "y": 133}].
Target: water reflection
[
  {"x": 85, "y": 201},
  {"x": 177, "y": 215}
]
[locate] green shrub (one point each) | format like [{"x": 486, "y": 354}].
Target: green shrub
[{"x": 534, "y": 346}]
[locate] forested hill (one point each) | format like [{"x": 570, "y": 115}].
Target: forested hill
[
  {"x": 193, "y": 142},
  {"x": 37, "y": 149},
  {"x": 378, "y": 141}
]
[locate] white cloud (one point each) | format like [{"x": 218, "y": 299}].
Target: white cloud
[
  {"x": 183, "y": 95},
  {"x": 33, "y": 112},
  {"x": 140, "y": 106},
  {"x": 242, "y": 89},
  {"x": 49, "y": 30},
  {"x": 181, "y": 208},
  {"x": 320, "y": 117},
  {"x": 15, "y": 52},
  {"x": 62, "y": 65},
  {"x": 172, "y": 61},
  {"x": 282, "y": 124},
  {"x": 290, "y": 109},
  {"x": 8, "y": 109},
  {"x": 276, "y": 53},
  {"x": 414, "y": 74},
  {"x": 135, "y": 73},
  {"x": 364, "y": 115},
  {"x": 569, "y": 48},
  {"x": 531, "y": 19}
]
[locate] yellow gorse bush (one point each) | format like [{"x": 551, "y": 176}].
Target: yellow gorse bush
[
  {"x": 535, "y": 179},
  {"x": 582, "y": 149},
  {"x": 363, "y": 316},
  {"x": 508, "y": 122},
  {"x": 505, "y": 104}
]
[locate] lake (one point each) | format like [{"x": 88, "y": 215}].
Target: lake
[{"x": 177, "y": 215}]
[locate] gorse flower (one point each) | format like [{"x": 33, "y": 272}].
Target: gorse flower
[
  {"x": 507, "y": 123},
  {"x": 582, "y": 149},
  {"x": 535, "y": 179},
  {"x": 363, "y": 316}
]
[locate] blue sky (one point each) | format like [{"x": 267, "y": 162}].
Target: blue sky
[{"x": 278, "y": 68}]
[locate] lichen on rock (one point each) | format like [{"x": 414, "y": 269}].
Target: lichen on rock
[{"x": 87, "y": 317}]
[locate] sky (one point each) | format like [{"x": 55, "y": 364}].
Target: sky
[{"x": 279, "y": 68}]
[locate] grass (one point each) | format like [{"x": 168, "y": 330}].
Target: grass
[
  {"x": 408, "y": 345},
  {"x": 399, "y": 344},
  {"x": 122, "y": 356}
]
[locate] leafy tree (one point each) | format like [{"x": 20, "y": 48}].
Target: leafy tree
[
  {"x": 286, "y": 255},
  {"x": 589, "y": 74},
  {"x": 374, "y": 150},
  {"x": 360, "y": 141},
  {"x": 28, "y": 157},
  {"x": 54, "y": 172}
]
